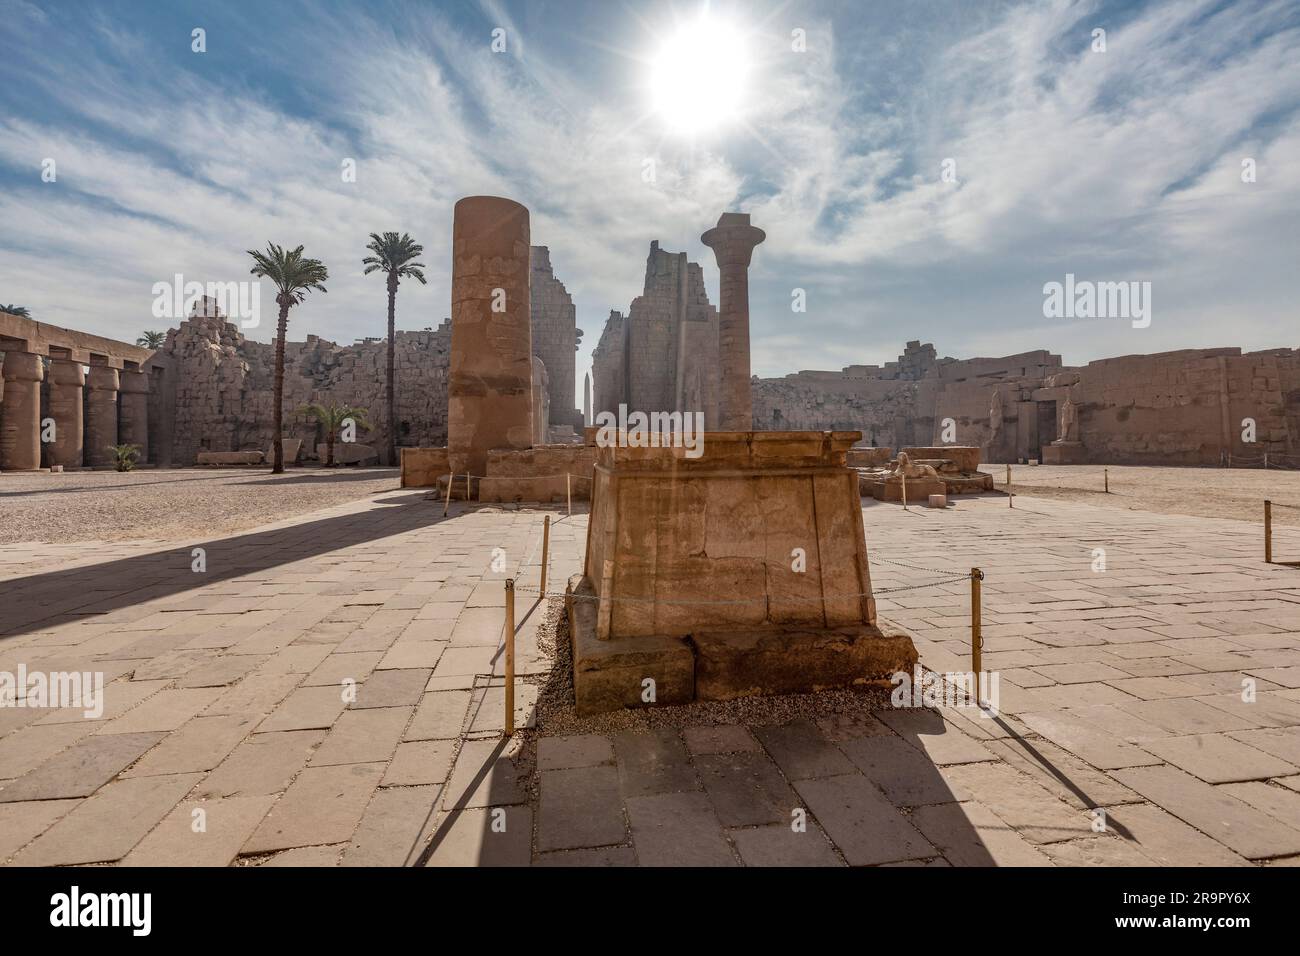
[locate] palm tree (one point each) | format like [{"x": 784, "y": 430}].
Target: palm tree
[
  {"x": 394, "y": 255},
  {"x": 19, "y": 310},
  {"x": 294, "y": 277},
  {"x": 332, "y": 416},
  {"x": 151, "y": 340}
]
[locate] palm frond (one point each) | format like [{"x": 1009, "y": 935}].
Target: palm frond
[
  {"x": 293, "y": 274},
  {"x": 395, "y": 254}
]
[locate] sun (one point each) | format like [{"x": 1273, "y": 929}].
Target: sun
[{"x": 699, "y": 76}]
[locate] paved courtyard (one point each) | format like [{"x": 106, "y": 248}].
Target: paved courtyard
[{"x": 327, "y": 691}]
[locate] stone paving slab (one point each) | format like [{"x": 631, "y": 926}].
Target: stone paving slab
[
  {"x": 580, "y": 808},
  {"x": 323, "y": 805},
  {"x": 201, "y": 833},
  {"x": 861, "y": 822},
  {"x": 780, "y": 845},
  {"x": 106, "y": 826},
  {"x": 81, "y": 769},
  {"x": 1250, "y": 832},
  {"x": 678, "y": 829}
]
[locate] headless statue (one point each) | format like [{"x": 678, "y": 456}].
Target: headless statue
[{"x": 1069, "y": 422}]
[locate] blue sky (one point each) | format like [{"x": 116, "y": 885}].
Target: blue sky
[{"x": 1116, "y": 165}]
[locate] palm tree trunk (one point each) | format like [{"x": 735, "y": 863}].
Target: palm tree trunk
[
  {"x": 391, "y": 456},
  {"x": 277, "y": 447},
  {"x": 329, "y": 449}
]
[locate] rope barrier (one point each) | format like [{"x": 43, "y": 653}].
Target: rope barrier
[{"x": 559, "y": 474}]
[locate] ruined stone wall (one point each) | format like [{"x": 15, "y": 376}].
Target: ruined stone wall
[
  {"x": 663, "y": 355},
  {"x": 1172, "y": 408},
  {"x": 608, "y": 358},
  {"x": 900, "y": 403},
  {"x": 1188, "y": 407},
  {"x": 214, "y": 389},
  {"x": 652, "y": 345},
  {"x": 555, "y": 334},
  {"x": 223, "y": 387}
]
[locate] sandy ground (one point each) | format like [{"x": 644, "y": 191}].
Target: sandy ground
[
  {"x": 172, "y": 504},
  {"x": 1205, "y": 492}
]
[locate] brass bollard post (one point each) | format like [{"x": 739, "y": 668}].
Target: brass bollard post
[
  {"x": 546, "y": 552},
  {"x": 1268, "y": 531},
  {"x": 1106, "y": 473},
  {"x": 510, "y": 657},
  {"x": 976, "y": 638},
  {"x": 904, "y": 477},
  {"x": 568, "y": 491},
  {"x": 451, "y": 480}
]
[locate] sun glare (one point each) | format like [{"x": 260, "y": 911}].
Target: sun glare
[{"x": 698, "y": 77}]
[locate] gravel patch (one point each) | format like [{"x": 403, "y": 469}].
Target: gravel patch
[
  {"x": 556, "y": 715},
  {"x": 171, "y": 504}
]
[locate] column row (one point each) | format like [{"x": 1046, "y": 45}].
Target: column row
[{"x": 87, "y": 415}]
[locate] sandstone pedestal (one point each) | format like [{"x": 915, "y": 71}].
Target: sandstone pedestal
[
  {"x": 1064, "y": 453},
  {"x": 741, "y": 572},
  {"x": 918, "y": 489}
]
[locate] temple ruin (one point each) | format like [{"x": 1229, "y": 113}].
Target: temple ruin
[
  {"x": 69, "y": 397},
  {"x": 663, "y": 354},
  {"x": 208, "y": 389},
  {"x": 1189, "y": 407}
]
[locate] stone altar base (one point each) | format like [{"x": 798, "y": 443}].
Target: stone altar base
[
  {"x": 1064, "y": 453},
  {"x": 919, "y": 490},
  {"x": 690, "y": 575},
  {"x": 513, "y": 475}
]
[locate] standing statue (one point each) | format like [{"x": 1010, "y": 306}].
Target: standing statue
[{"x": 1069, "y": 421}]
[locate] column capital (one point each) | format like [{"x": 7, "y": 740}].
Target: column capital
[
  {"x": 733, "y": 239},
  {"x": 103, "y": 378},
  {"x": 133, "y": 380},
  {"x": 23, "y": 367}
]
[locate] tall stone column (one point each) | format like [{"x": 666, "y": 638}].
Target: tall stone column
[
  {"x": 489, "y": 388},
  {"x": 67, "y": 396},
  {"x": 102, "y": 386},
  {"x": 733, "y": 240},
  {"x": 133, "y": 408},
  {"x": 20, "y": 421}
]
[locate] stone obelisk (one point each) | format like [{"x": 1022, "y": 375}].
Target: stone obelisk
[
  {"x": 489, "y": 389},
  {"x": 733, "y": 240}
]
